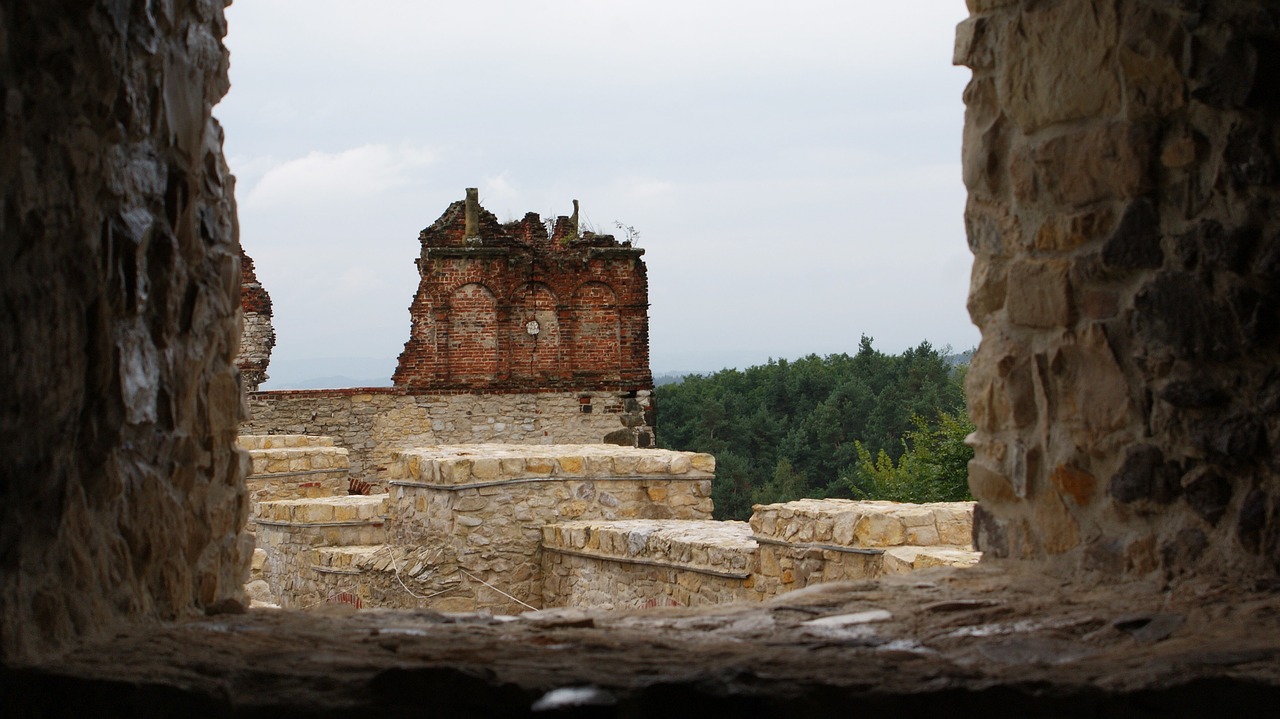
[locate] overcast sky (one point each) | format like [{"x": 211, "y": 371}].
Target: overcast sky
[{"x": 793, "y": 169}]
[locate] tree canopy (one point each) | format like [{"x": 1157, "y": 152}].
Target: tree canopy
[{"x": 869, "y": 425}]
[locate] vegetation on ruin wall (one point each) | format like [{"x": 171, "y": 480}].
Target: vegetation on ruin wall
[{"x": 870, "y": 426}]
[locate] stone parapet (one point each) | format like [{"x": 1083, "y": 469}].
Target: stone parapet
[
  {"x": 708, "y": 547},
  {"x": 646, "y": 563},
  {"x": 470, "y": 465},
  {"x": 865, "y": 524},
  {"x": 785, "y": 547},
  {"x": 251, "y": 442},
  {"x": 809, "y": 541},
  {"x": 902, "y": 560},
  {"x": 484, "y": 506}
]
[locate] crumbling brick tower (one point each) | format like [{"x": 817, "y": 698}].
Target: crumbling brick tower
[
  {"x": 257, "y": 336},
  {"x": 513, "y": 308}
]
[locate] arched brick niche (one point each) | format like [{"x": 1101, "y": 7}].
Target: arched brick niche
[
  {"x": 1124, "y": 214},
  {"x": 513, "y": 308}
]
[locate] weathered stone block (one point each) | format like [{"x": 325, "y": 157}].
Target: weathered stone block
[
  {"x": 1039, "y": 294},
  {"x": 1056, "y": 70}
]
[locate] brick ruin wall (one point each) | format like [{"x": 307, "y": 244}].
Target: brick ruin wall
[
  {"x": 257, "y": 336},
  {"x": 123, "y": 497},
  {"x": 471, "y": 370},
  {"x": 1122, "y": 166},
  {"x": 374, "y": 423},
  {"x": 514, "y": 308}
]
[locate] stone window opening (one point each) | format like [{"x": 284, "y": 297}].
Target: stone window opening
[{"x": 1124, "y": 284}]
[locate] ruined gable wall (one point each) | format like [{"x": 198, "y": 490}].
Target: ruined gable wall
[
  {"x": 478, "y": 293},
  {"x": 1124, "y": 213},
  {"x": 122, "y": 498},
  {"x": 257, "y": 336}
]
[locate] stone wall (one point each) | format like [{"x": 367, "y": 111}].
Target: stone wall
[
  {"x": 641, "y": 564},
  {"x": 294, "y": 467},
  {"x": 517, "y": 308},
  {"x": 257, "y": 336},
  {"x": 123, "y": 497},
  {"x": 461, "y": 527},
  {"x": 483, "y": 507},
  {"x": 1123, "y": 173},
  {"x": 507, "y": 528},
  {"x": 375, "y": 423},
  {"x": 788, "y": 546}
]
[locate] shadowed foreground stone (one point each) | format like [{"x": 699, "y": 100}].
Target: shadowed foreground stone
[{"x": 987, "y": 639}]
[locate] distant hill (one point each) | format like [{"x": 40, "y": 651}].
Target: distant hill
[
  {"x": 669, "y": 378},
  {"x": 332, "y": 382}
]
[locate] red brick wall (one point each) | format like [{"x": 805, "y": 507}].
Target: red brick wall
[
  {"x": 589, "y": 295},
  {"x": 257, "y": 336},
  {"x": 253, "y": 298}
]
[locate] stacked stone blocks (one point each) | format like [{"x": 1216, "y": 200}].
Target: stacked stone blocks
[
  {"x": 787, "y": 546},
  {"x": 374, "y": 423},
  {"x": 483, "y": 507},
  {"x": 506, "y": 528}
]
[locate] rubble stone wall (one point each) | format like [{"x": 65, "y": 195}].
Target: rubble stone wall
[
  {"x": 123, "y": 497},
  {"x": 1123, "y": 168},
  {"x": 373, "y": 424}
]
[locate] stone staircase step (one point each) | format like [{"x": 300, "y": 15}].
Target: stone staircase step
[
  {"x": 282, "y": 441},
  {"x": 345, "y": 520}
]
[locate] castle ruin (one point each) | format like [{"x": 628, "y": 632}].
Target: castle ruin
[{"x": 1121, "y": 163}]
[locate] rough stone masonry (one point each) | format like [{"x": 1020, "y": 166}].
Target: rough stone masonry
[
  {"x": 1124, "y": 214},
  {"x": 122, "y": 496}
]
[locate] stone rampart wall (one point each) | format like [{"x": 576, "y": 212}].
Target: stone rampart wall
[
  {"x": 507, "y": 528},
  {"x": 643, "y": 564},
  {"x": 373, "y": 424},
  {"x": 483, "y": 507},
  {"x": 647, "y": 563}
]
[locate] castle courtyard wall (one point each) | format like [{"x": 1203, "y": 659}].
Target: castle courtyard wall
[{"x": 375, "y": 423}]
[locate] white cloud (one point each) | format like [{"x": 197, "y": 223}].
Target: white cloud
[{"x": 321, "y": 177}]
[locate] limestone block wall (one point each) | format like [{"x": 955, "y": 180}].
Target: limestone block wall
[
  {"x": 293, "y": 467},
  {"x": 1123, "y": 173},
  {"x": 295, "y": 532},
  {"x": 825, "y": 540},
  {"x": 374, "y": 423},
  {"x": 123, "y": 497},
  {"x": 482, "y": 508},
  {"x": 647, "y": 563},
  {"x": 644, "y": 564}
]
